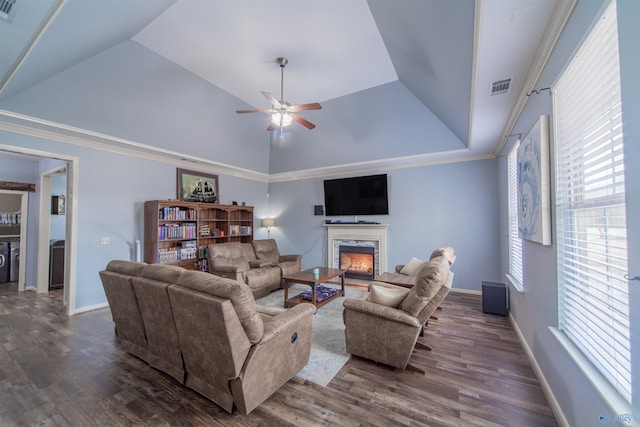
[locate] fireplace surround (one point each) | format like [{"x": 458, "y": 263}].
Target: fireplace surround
[{"x": 358, "y": 235}]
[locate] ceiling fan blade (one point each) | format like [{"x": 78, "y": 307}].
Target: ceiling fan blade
[
  {"x": 271, "y": 126},
  {"x": 304, "y": 107},
  {"x": 271, "y": 99},
  {"x": 304, "y": 122},
  {"x": 254, "y": 111}
]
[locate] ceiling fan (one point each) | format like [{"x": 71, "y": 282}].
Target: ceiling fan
[{"x": 283, "y": 113}]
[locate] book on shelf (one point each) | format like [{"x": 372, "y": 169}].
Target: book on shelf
[
  {"x": 187, "y": 251},
  {"x": 176, "y": 213},
  {"x": 177, "y": 231},
  {"x": 240, "y": 230},
  {"x": 202, "y": 252},
  {"x": 167, "y": 255}
]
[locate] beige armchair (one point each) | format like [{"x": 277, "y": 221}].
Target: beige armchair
[{"x": 384, "y": 325}]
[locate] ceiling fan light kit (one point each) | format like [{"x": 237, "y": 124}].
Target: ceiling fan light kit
[
  {"x": 282, "y": 112},
  {"x": 281, "y": 119}
]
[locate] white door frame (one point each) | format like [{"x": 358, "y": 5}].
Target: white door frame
[
  {"x": 44, "y": 231},
  {"x": 71, "y": 232}
]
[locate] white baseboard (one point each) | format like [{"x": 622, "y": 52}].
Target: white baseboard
[
  {"x": 90, "y": 308},
  {"x": 553, "y": 402},
  {"x": 466, "y": 291}
]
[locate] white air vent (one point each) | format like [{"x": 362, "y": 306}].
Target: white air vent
[
  {"x": 500, "y": 86},
  {"x": 7, "y": 10}
]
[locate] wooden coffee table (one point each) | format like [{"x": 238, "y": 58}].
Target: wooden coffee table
[{"x": 312, "y": 277}]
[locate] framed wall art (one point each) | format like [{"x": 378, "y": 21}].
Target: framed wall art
[
  {"x": 534, "y": 198},
  {"x": 194, "y": 186},
  {"x": 58, "y": 205}
]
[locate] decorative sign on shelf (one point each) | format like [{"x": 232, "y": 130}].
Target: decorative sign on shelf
[
  {"x": 204, "y": 230},
  {"x": 194, "y": 186}
]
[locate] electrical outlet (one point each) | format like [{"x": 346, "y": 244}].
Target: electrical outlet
[{"x": 104, "y": 240}]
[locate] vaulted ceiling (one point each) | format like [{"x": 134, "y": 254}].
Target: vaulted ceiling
[{"x": 447, "y": 53}]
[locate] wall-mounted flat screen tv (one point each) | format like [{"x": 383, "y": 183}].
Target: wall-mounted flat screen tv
[{"x": 362, "y": 195}]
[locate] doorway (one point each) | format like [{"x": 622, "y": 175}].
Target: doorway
[
  {"x": 52, "y": 230},
  {"x": 36, "y": 251}
]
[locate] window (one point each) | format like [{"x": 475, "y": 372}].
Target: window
[
  {"x": 515, "y": 243},
  {"x": 590, "y": 200}
]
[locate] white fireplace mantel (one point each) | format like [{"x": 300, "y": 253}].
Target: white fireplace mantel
[{"x": 376, "y": 233}]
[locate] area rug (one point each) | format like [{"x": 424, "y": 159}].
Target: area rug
[{"x": 328, "y": 353}]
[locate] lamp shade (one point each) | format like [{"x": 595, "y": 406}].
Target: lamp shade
[{"x": 268, "y": 222}]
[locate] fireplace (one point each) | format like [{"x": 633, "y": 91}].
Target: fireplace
[
  {"x": 370, "y": 236},
  {"x": 359, "y": 261}
]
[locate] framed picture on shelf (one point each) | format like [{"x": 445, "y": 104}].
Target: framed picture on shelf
[{"x": 194, "y": 186}]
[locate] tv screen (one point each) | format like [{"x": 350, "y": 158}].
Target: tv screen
[{"x": 363, "y": 195}]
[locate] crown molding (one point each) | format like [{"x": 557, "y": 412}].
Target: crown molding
[
  {"x": 32, "y": 126},
  {"x": 374, "y": 166},
  {"x": 27, "y": 125}
]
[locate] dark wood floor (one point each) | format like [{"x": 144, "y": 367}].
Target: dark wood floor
[{"x": 70, "y": 371}]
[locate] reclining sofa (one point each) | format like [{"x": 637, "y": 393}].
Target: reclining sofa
[
  {"x": 258, "y": 264},
  {"x": 207, "y": 332}
]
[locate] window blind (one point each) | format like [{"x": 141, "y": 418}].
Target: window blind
[
  {"x": 515, "y": 243},
  {"x": 590, "y": 215}
]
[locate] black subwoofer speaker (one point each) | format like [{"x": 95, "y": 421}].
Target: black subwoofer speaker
[{"x": 495, "y": 298}]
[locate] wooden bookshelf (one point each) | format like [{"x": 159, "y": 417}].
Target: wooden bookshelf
[{"x": 178, "y": 233}]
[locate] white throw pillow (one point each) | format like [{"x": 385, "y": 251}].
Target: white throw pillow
[
  {"x": 391, "y": 297},
  {"x": 412, "y": 267}
]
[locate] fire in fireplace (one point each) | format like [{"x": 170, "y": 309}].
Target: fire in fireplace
[{"x": 358, "y": 261}]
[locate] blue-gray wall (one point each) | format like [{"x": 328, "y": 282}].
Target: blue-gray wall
[
  {"x": 17, "y": 170},
  {"x": 111, "y": 194},
  {"x": 535, "y": 310},
  {"x": 365, "y": 126},
  {"x": 628, "y": 18},
  {"x": 132, "y": 93},
  {"x": 429, "y": 206},
  {"x": 459, "y": 204}
]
